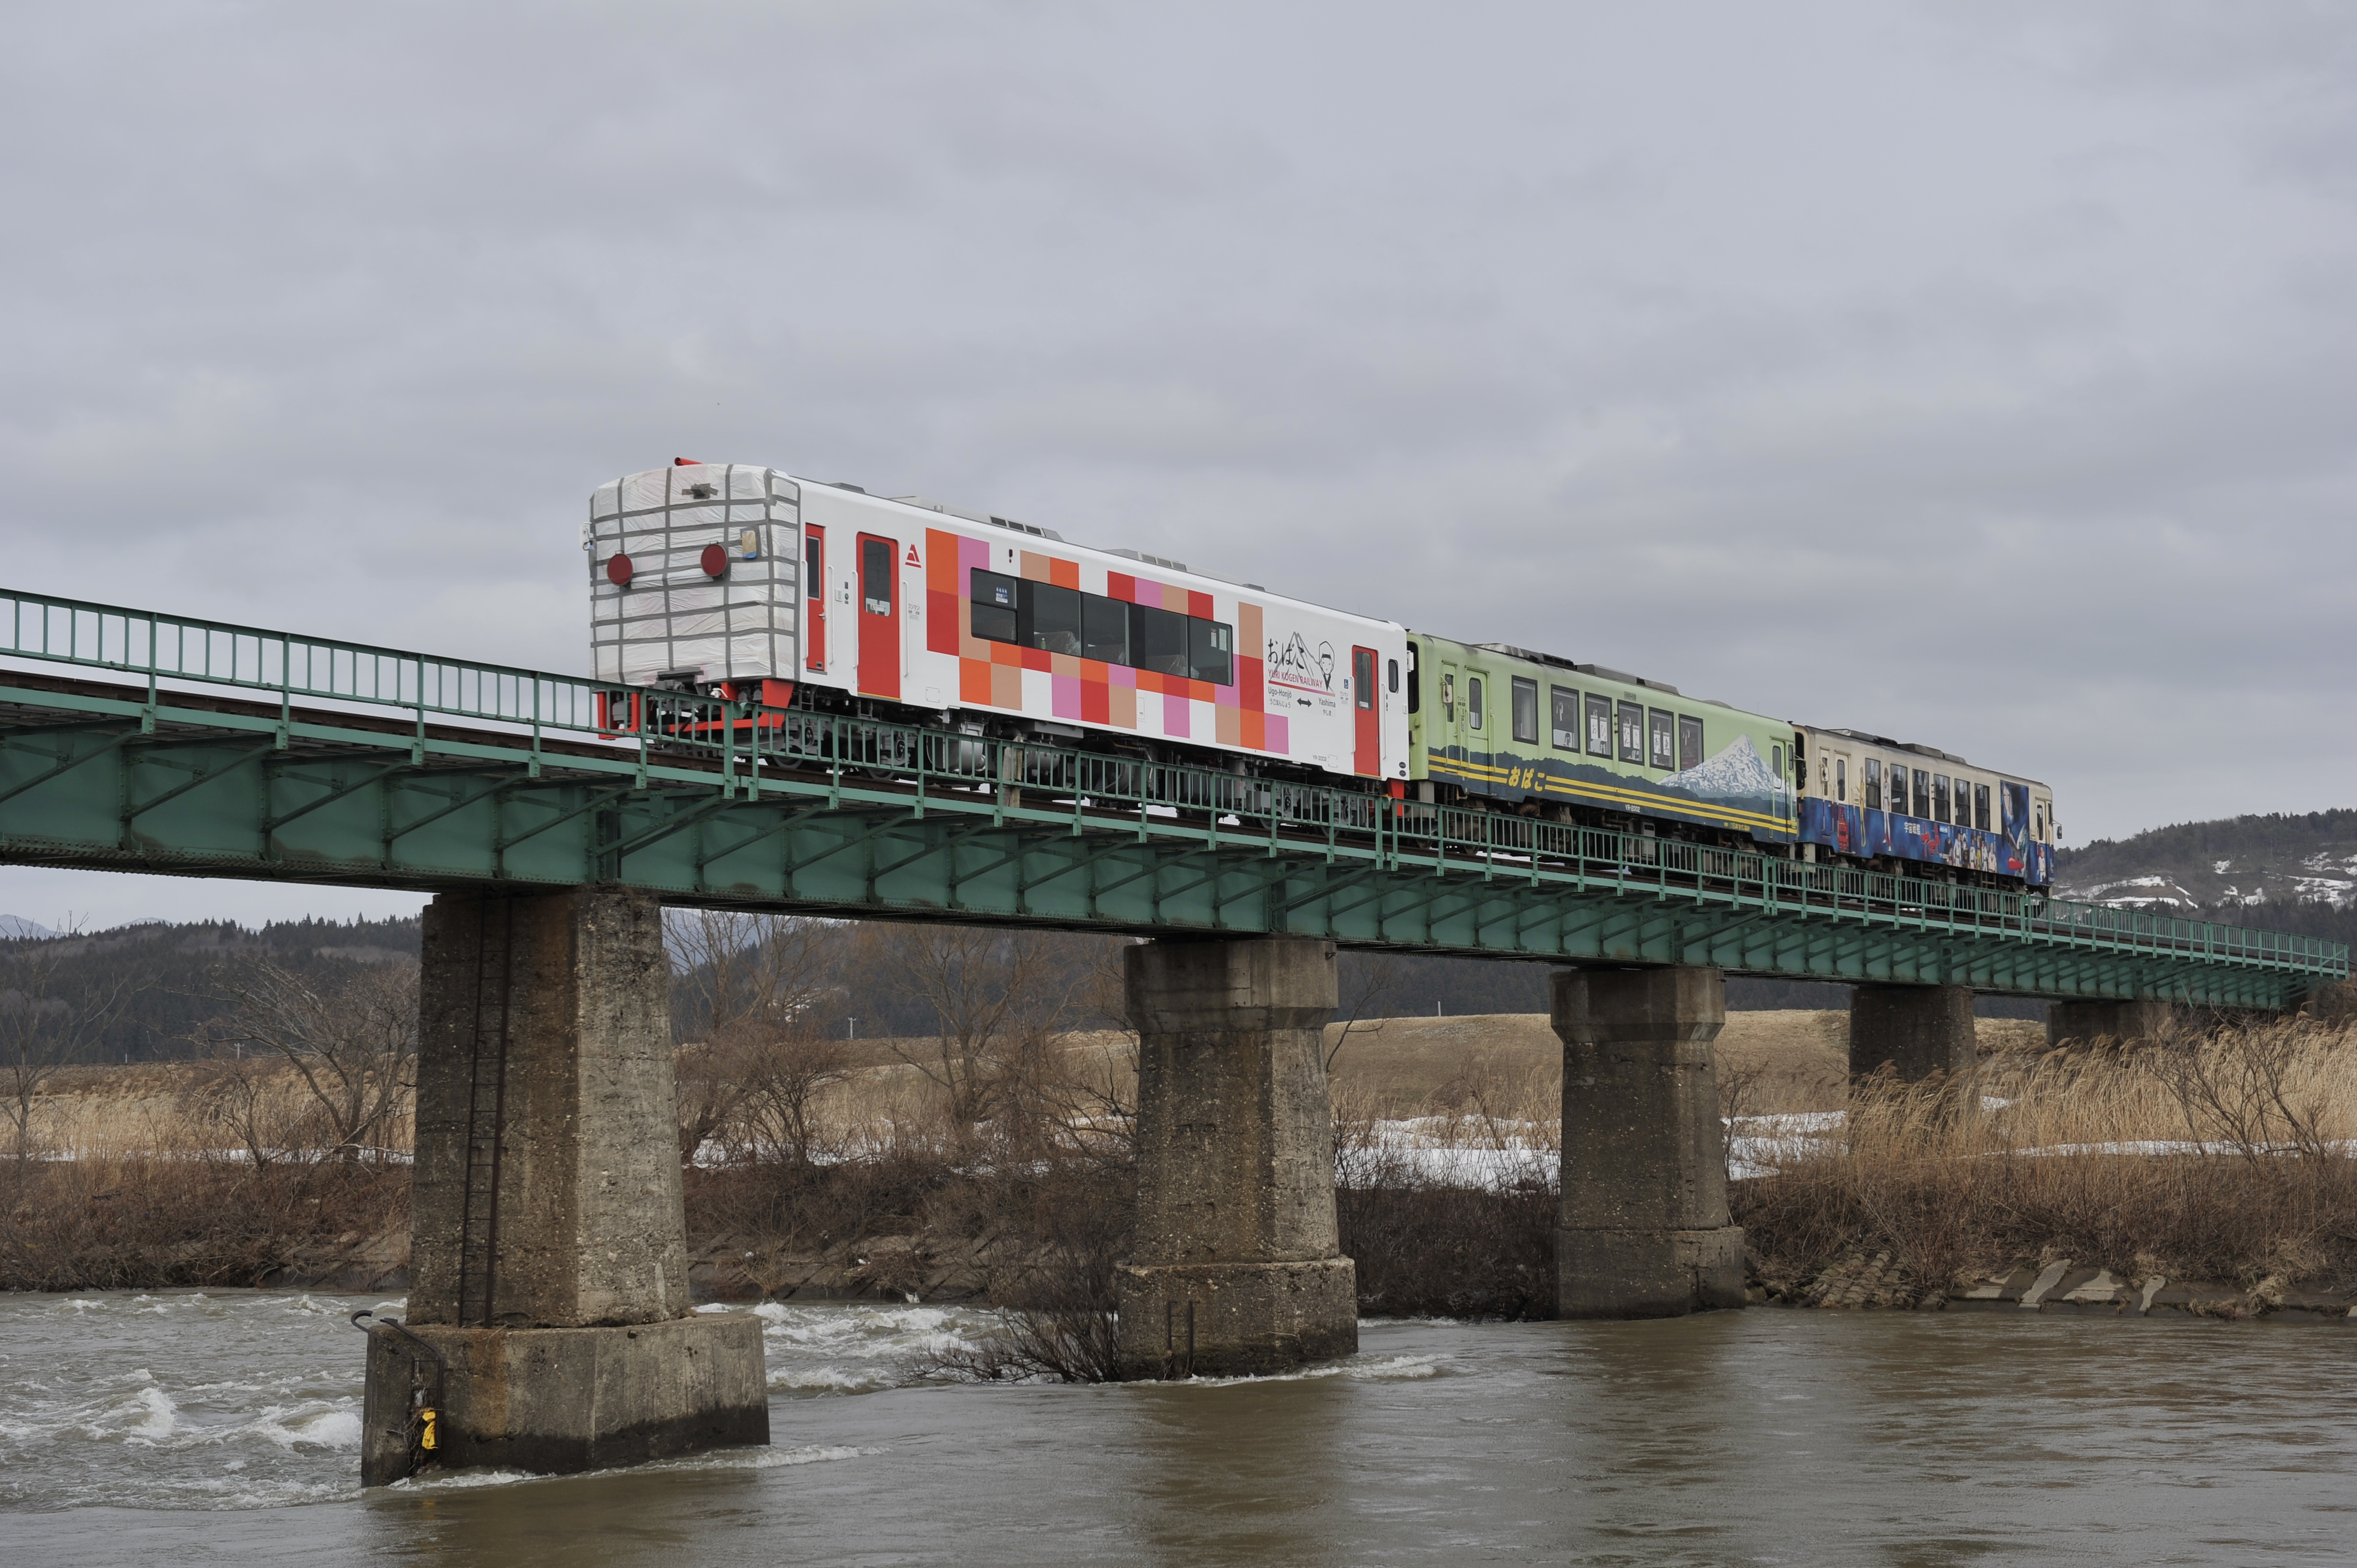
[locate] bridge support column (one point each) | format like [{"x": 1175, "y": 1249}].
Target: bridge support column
[
  {"x": 1643, "y": 1231},
  {"x": 1236, "y": 1267},
  {"x": 1920, "y": 1032},
  {"x": 2118, "y": 1020},
  {"x": 548, "y": 1251}
]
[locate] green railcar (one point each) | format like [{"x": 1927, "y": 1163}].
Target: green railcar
[{"x": 1525, "y": 731}]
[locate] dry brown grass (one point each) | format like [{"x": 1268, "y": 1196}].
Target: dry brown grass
[{"x": 2222, "y": 1156}]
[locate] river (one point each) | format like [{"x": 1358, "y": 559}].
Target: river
[{"x": 182, "y": 1428}]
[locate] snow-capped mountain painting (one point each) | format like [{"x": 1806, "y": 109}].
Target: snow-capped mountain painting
[{"x": 1737, "y": 776}]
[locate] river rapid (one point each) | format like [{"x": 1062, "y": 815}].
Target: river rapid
[{"x": 183, "y": 1427}]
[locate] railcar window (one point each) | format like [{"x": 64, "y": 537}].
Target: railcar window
[
  {"x": 1526, "y": 711},
  {"x": 1633, "y": 732},
  {"x": 995, "y": 601},
  {"x": 1415, "y": 678},
  {"x": 1362, "y": 677},
  {"x": 1448, "y": 696},
  {"x": 1981, "y": 806},
  {"x": 1689, "y": 743},
  {"x": 1211, "y": 650},
  {"x": 1051, "y": 617},
  {"x": 1158, "y": 639},
  {"x": 1391, "y": 672},
  {"x": 875, "y": 576},
  {"x": 1776, "y": 756},
  {"x": 1599, "y": 726},
  {"x": 1922, "y": 794},
  {"x": 1563, "y": 715},
  {"x": 1939, "y": 798},
  {"x": 1874, "y": 784},
  {"x": 1964, "y": 802},
  {"x": 1662, "y": 731},
  {"x": 1473, "y": 700},
  {"x": 1841, "y": 778},
  {"x": 1105, "y": 628}
]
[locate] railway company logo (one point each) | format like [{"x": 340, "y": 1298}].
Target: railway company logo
[{"x": 1292, "y": 664}]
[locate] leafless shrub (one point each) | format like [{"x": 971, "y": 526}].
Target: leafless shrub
[
  {"x": 353, "y": 1044},
  {"x": 46, "y": 1022}
]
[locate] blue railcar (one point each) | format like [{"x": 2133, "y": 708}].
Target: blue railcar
[{"x": 1867, "y": 797}]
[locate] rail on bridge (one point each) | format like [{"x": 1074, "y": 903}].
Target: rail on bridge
[{"x": 553, "y": 817}]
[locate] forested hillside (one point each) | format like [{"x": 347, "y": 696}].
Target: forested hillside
[{"x": 2277, "y": 862}]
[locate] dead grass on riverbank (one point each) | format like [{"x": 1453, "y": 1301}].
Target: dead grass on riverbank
[{"x": 2222, "y": 1156}]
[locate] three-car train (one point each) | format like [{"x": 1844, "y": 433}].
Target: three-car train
[{"x": 707, "y": 576}]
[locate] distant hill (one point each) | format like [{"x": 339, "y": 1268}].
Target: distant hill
[
  {"x": 15, "y": 926},
  {"x": 2240, "y": 863}
]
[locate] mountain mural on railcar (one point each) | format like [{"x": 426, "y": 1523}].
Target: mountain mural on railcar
[{"x": 1738, "y": 776}]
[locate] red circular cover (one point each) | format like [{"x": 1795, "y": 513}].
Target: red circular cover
[
  {"x": 618, "y": 571},
  {"x": 716, "y": 561}
]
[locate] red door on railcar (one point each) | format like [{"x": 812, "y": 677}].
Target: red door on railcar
[
  {"x": 815, "y": 597},
  {"x": 1366, "y": 758},
  {"x": 879, "y": 616}
]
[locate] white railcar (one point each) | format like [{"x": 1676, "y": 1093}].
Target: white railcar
[{"x": 706, "y": 575}]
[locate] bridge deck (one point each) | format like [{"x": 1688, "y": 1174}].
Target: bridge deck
[{"x": 403, "y": 770}]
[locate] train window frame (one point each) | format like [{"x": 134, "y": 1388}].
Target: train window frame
[
  {"x": 1939, "y": 812},
  {"x": 1211, "y": 651},
  {"x": 1363, "y": 679},
  {"x": 1691, "y": 726},
  {"x": 1870, "y": 780},
  {"x": 1631, "y": 734},
  {"x": 1661, "y": 739},
  {"x": 1472, "y": 702},
  {"x": 1391, "y": 671},
  {"x": 1056, "y": 605},
  {"x": 1776, "y": 765},
  {"x": 997, "y": 618},
  {"x": 1415, "y": 678},
  {"x": 1524, "y": 701},
  {"x": 1599, "y": 710},
  {"x": 1980, "y": 807},
  {"x": 1922, "y": 793},
  {"x": 1100, "y": 614},
  {"x": 1152, "y": 628},
  {"x": 876, "y": 567},
  {"x": 1563, "y": 702},
  {"x": 1841, "y": 779}
]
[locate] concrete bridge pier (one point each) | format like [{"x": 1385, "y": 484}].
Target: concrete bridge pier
[
  {"x": 548, "y": 1251},
  {"x": 1236, "y": 1267},
  {"x": 2117, "y": 1020},
  {"x": 1643, "y": 1230},
  {"x": 1920, "y": 1032}
]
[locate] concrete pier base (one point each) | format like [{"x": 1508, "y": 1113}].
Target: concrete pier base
[
  {"x": 1643, "y": 1230},
  {"x": 2112, "y": 1020},
  {"x": 1236, "y": 1267},
  {"x": 1920, "y": 1032},
  {"x": 548, "y": 1227},
  {"x": 557, "y": 1401}
]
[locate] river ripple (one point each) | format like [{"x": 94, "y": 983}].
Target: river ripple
[{"x": 185, "y": 1428}]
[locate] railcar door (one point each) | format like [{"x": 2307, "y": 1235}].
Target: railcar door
[
  {"x": 1444, "y": 720},
  {"x": 815, "y": 599},
  {"x": 1366, "y": 753},
  {"x": 879, "y": 617}
]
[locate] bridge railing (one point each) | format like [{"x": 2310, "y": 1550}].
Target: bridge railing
[
  {"x": 752, "y": 744},
  {"x": 180, "y": 648}
]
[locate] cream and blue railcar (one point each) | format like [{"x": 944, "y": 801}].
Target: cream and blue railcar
[{"x": 1867, "y": 797}]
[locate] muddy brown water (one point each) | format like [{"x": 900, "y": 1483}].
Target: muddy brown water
[{"x": 220, "y": 1427}]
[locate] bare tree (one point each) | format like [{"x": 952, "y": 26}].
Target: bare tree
[
  {"x": 997, "y": 999},
  {"x": 249, "y": 1098},
  {"x": 353, "y": 1044},
  {"x": 1365, "y": 1006},
  {"x": 749, "y": 983},
  {"x": 47, "y": 1020}
]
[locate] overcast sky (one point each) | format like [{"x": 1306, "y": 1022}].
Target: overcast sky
[{"x": 1984, "y": 375}]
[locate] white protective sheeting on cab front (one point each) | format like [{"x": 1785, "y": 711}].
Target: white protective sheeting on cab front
[{"x": 669, "y": 612}]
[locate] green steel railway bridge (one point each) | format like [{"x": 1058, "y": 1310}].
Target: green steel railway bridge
[
  {"x": 163, "y": 744},
  {"x": 553, "y": 819}
]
